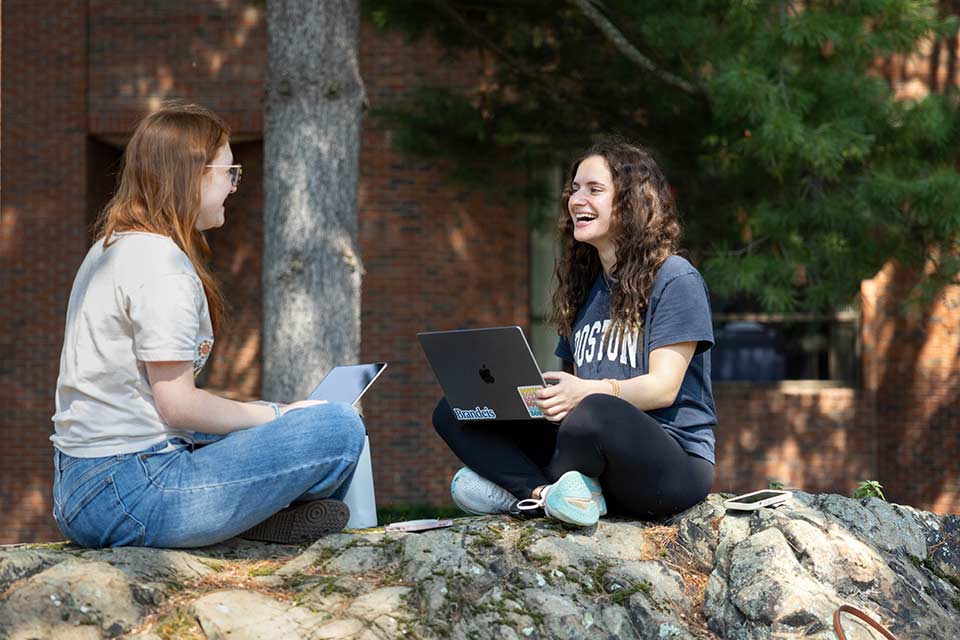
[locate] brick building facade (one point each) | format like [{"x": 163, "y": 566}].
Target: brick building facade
[{"x": 77, "y": 74}]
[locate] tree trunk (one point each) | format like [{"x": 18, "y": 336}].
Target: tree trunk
[{"x": 311, "y": 264}]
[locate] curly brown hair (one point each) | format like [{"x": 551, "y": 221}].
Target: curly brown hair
[{"x": 646, "y": 230}]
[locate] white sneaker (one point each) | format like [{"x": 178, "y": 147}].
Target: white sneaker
[{"x": 477, "y": 495}]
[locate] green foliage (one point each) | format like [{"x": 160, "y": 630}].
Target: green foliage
[
  {"x": 775, "y": 485},
  {"x": 797, "y": 170},
  {"x": 177, "y": 624},
  {"x": 869, "y": 489},
  {"x": 399, "y": 513}
]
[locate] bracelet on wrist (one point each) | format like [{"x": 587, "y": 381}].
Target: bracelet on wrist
[
  {"x": 614, "y": 386},
  {"x": 276, "y": 410}
]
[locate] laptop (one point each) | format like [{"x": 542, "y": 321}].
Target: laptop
[
  {"x": 485, "y": 374},
  {"x": 347, "y": 383}
]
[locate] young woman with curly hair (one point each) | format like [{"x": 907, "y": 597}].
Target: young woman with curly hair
[{"x": 630, "y": 420}]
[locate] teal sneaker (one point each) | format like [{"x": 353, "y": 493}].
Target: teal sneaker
[{"x": 568, "y": 500}]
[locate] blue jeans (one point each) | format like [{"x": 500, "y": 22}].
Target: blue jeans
[{"x": 175, "y": 494}]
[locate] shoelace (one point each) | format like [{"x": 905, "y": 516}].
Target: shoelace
[{"x": 532, "y": 504}]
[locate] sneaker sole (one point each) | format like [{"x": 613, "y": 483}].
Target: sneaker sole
[
  {"x": 572, "y": 486},
  {"x": 302, "y": 523}
]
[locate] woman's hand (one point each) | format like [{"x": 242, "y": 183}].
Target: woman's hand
[
  {"x": 302, "y": 404},
  {"x": 557, "y": 400}
]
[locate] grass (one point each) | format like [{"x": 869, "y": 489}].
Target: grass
[
  {"x": 217, "y": 565},
  {"x": 621, "y": 595},
  {"x": 525, "y": 538},
  {"x": 927, "y": 563},
  {"x": 401, "y": 512},
  {"x": 257, "y": 572},
  {"x": 48, "y": 546},
  {"x": 178, "y": 625}
]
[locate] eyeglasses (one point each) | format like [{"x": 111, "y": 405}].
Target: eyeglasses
[{"x": 235, "y": 171}]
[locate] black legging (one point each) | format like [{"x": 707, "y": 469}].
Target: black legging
[{"x": 642, "y": 469}]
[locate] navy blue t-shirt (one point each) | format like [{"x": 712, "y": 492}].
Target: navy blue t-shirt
[{"x": 678, "y": 311}]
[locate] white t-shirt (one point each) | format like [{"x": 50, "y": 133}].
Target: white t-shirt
[{"x": 139, "y": 300}]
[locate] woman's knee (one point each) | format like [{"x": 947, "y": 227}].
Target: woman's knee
[
  {"x": 589, "y": 416},
  {"x": 443, "y": 418},
  {"x": 334, "y": 425},
  {"x": 353, "y": 430}
]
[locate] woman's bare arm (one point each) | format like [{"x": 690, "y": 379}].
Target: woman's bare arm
[
  {"x": 659, "y": 388},
  {"x": 183, "y": 406}
]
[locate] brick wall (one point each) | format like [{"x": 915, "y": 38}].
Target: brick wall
[
  {"x": 435, "y": 256},
  {"x": 42, "y": 240},
  {"x": 809, "y": 436},
  {"x": 143, "y": 52},
  {"x": 912, "y": 366}
]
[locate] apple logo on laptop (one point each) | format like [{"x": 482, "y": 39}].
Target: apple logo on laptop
[{"x": 485, "y": 374}]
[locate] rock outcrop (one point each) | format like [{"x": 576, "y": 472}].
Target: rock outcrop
[{"x": 707, "y": 573}]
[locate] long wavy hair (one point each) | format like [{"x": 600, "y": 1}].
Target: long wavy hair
[
  {"x": 159, "y": 189},
  {"x": 646, "y": 231}
]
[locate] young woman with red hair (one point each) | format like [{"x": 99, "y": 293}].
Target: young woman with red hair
[{"x": 142, "y": 457}]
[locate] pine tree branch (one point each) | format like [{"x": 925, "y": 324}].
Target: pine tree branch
[
  {"x": 464, "y": 24},
  {"x": 750, "y": 246},
  {"x": 535, "y": 77},
  {"x": 616, "y": 37}
]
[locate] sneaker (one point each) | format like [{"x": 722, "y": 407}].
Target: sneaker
[
  {"x": 477, "y": 495},
  {"x": 569, "y": 500},
  {"x": 597, "y": 492},
  {"x": 301, "y": 522}
]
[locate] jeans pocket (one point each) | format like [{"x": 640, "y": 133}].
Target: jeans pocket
[
  {"x": 100, "y": 519},
  {"x": 63, "y": 461},
  {"x": 154, "y": 463}
]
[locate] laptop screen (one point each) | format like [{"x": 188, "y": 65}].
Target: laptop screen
[{"x": 347, "y": 383}]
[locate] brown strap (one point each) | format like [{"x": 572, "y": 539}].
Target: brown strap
[{"x": 858, "y": 614}]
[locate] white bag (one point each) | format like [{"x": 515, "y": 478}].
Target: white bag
[{"x": 360, "y": 497}]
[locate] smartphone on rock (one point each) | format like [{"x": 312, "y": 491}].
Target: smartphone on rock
[{"x": 757, "y": 500}]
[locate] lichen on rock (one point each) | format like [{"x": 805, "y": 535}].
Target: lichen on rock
[{"x": 705, "y": 573}]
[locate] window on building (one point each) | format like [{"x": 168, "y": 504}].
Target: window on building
[
  {"x": 794, "y": 346},
  {"x": 103, "y": 167}
]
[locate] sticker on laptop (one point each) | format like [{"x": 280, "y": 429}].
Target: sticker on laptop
[
  {"x": 529, "y": 397},
  {"x": 475, "y": 414}
]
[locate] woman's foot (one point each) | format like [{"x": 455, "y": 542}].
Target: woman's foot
[
  {"x": 477, "y": 495},
  {"x": 569, "y": 499},
  {"x": 301, "y": 522}
]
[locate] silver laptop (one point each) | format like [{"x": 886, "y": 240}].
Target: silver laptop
[
  {"x": 485, "y": 374},
  {"x": 347, "y": 383}
]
